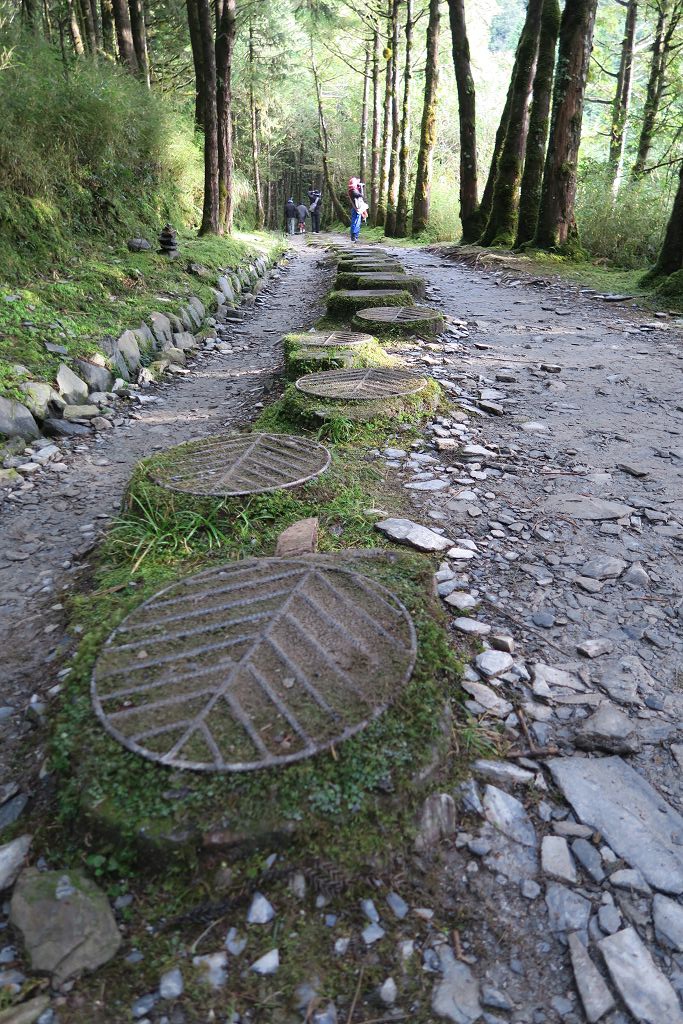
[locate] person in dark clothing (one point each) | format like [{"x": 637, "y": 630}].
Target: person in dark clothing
[
  {"x": 315, "y": 208},
  {"x": 292, "y": 216},
  {"x": 302, "y": 212}
]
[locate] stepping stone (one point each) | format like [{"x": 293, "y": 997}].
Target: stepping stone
[
  {"x": 361, "y": 385},
  {"x": 400, "y": 320}
]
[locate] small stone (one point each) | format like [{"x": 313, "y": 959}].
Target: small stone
[
  {"x": 596, "y": 997},
  {"x": 373, "y": 933},
  {"x": 370, "y": 911},
  {"x": 463, "y": 602},
  {"x": 404, "y": 531},
  {"x": 171, "y": 985},
  {"x": 568, "y": 911},
  {"x": 397, "y": 905},
  {"x": 530, "y": 890},
  {"x": 609, "y": 919},
  {"x": 503, "y": 772},
  {"x": 502, "y": 642},
  {"x": 471, "y": 626},
  {"x": 460, "y": 554},
  {"x": 234, "y": 943},
  {"x": 268, "y": 963},
  {"x": 493, "y": 663},
  {"x": 668, "y": 918},
  {"x": 556, "y": 860},
  {"x": 456, "y": 995},
  {"x": 603, "y": 568},
  {"x": 644, "y": 988},
  {"x": 594, "y": 648},
  {"x": 260, "y": 911},
  {"x": 143, "y": 1005},
  {"x": 12, "y": 857},
  {"x": 579, "y": 506},
  {"x": 631, "y": 879},
  {"x": 388, "y": 992},
  {"x": 543, "y": 619},
  {"x": 608, "y": 729},
  {"x": 437, "y": 821},
  {"x": 589, "y": 858},
  {"x": 213, "y": 967},
  {"x": 633, "y": 469}
]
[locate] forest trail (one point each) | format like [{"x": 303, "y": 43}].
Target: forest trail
[{"x": 43, "y": 537}]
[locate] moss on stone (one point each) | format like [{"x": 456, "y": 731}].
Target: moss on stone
[
  {"x": 431, "y": 325},
  {"x": 381, "y": 279},
  {"x": 301, "y": 358},
  {"x": 345, "y": 303},
  {"x": 310, "y": 412}
]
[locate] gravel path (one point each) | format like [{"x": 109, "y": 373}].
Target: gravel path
[{"x": 46, "y": 532}]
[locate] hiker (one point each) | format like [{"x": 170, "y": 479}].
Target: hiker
[
  {"x": 316, "y": 201},
  {"x": 359, "y": 208},
  {"x": 291, "y": 216},
  {"x": 302, "y": 212}
]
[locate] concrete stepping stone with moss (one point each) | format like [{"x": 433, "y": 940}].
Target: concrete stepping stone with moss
[
  {"x": 238, "y": 464},
  {"x": 336, "y": 350},
  {"x": 390, "y": 320},
  {"x": 388, "y": 266},
  {"x": 259, "y": 663},
  {"x": 345, "y": 302},
  {"x": 361, "y": 396},
  {"x": 362, "y": 279}
]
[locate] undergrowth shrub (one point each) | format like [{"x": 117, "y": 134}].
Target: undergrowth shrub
[
  {"x": 85, "y": 147},
  {"x": 626, "y": 231}
]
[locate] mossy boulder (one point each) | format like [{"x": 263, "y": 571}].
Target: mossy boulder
[
  {"x": 421, "y": 320},
  {"x": 365, "y": 279},
  {"x": 302, "y": 356},
  {"x": 309, "y": 411},
  {"x": 345, "y": 302}
]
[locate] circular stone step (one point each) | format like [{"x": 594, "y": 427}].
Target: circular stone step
[
  {"x": 335, "y": 339},
  {"x": 384, "y": 279},
  {"x": 345, "y": 301},
  {"x": 235, "y": 464},
  {"x": 400, "y": 319},
  {"x": 253, "y": 664},
  {"x": 361, "y": 385}
]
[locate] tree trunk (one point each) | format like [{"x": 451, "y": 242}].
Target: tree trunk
[
  {"x": 88, "y": 26},
  {"x": 124, "y": 35},
  {"x": 139, "y": 31},
  {"x": 404, "y": 154},
  {"x": 392, "y": 190},
  {"x": 653, "y": 94},
  {"x": 386, "y": 132},
  {"x": 94, "y": 10},
  {"x": 198, "y": 61},
  {"x": 671, "y": 255},
  {"x": 556, "y": 220},
  {"x": 537, "y": 137},
  {"x": 339, "y": 211},
  {"x": 469, "y": 196},
  {"x": 502, "y": 223},
  {"x": 499, "y": 141},
  {"x": 211, "y": 208},
  {"x": 363, "y": 162},
  {"x": 622, "y": 97},
  {"x": 376, "y": 118},
  {"x": 107, "y": 18},
  {"x": 225, "y": 44},
  {"x": 425, "y": 156},
  {"x": 254, "y": 116},
  {"x": 76, "y": 37}
]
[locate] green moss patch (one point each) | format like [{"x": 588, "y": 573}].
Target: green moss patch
[
  {"x": 301, "y": 358},
  {"x": 381, "y": 280},
  {"x": 344, "y": 304},
  {"x": 306, "y": 411},
  {"x": 430, "y": 324}
]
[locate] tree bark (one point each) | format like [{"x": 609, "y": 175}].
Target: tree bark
[
  {"x": 425, "y": 156},
  {"x": 254, "y": 117},
  {"x": 386, "y": 130},
  {"x": 339, "y": 211},
  {"x": 655, "y": 84},
  {"x": 392, "y": 189},
  {"x": 211, "y": 208},
  {"x": 88, "y": 26},
  {"x": 671, "y": 254},
  {"x": 76, "y": 37},
  {"x": 622, "y": 97},
  {"x": 401, "y": 229},
  {"x": 107, "y": 18},
  {"x": 225, "y": 44},
  {"x": 502, "y": 222},
  {"x": 139, "y": 31},
  {"x": 469, "y": 196},
  {"x": 556, "y": 220},
  {"x": 363, "y": 162},
  {"x": 499, "y": 141},
  {"x": 376, "y": 118},
  {"x": 537, "y": 137},
  {"x": 198, "y": 61},
  {"x": 124, "y": 35}
]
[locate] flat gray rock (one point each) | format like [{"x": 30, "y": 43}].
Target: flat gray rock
[
  {"x": 507, "y": 814},
  {"x": 603, "y": 568},
  {"x": 405, "y": 531},
  {"x": 12, "y": 857},
  {"x": 437, "y": 821},
  {"x": 71, "y": 387},
  {"x": 608, "y": 729},
  {"x": 607, "y": 794},
  {"x": 596, "y": 997},
  {"x": 493, "y": 663},
  {"x": 668, "y": 918},
  {"x": 646, "y": 991},
  {"x": 556, "y": 860},
  {"x": 568, "y": 911},
  {"x": 16, "y": 420},
  {"x": 583, "y": 506},
  {"x": 456, "y": 995}
]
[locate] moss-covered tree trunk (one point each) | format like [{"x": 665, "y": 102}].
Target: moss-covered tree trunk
[
  {"x": 339, "y": 211},
  {"x": 392, "y": 186},
  {"x": 211, "y": 205},
  {"x": 376, "y": 124},
  {"x": 88, "y": 26},
  {"x": 107, "y": 21},
  {"x": 425, "y": 156},
  {"x": 124, "y": 35},
  {"x": 502, "y": 222},
  {"x": 226, "y": 27},
  {"x": 198, "y": 61},
  {"x": 622, "y": 96},
  {"x": 381, "y": 213},
  {"x": 404, "y": 155},
  {"x": 537, "y": 136},
  {"x": 467, "y": 117},
  {"x": 139, "y": 30},
  {"x": 671, "y": 254},
  {"x": 556, "y": 219},
  {"x": 487, "y": 194},
  {"x": 254, "y": 123},
  {"x": 667, "y": 21},
  {"x": 363, "y": 160}
]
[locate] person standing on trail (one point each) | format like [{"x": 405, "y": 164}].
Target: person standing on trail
[
  {"x": 302, "y": 212},
  {"x": 316, "y": 201},
  {"x": 359, "y": 208},
  {"x": 292, "y": 216}
]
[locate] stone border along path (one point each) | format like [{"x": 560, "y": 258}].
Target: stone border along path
[{"x": 55, "y": 519}]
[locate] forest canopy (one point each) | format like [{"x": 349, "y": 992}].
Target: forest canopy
[{"x": 551, "y": 125}]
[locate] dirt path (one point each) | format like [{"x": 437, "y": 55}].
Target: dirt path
[{"x": 42, "y": 535}]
